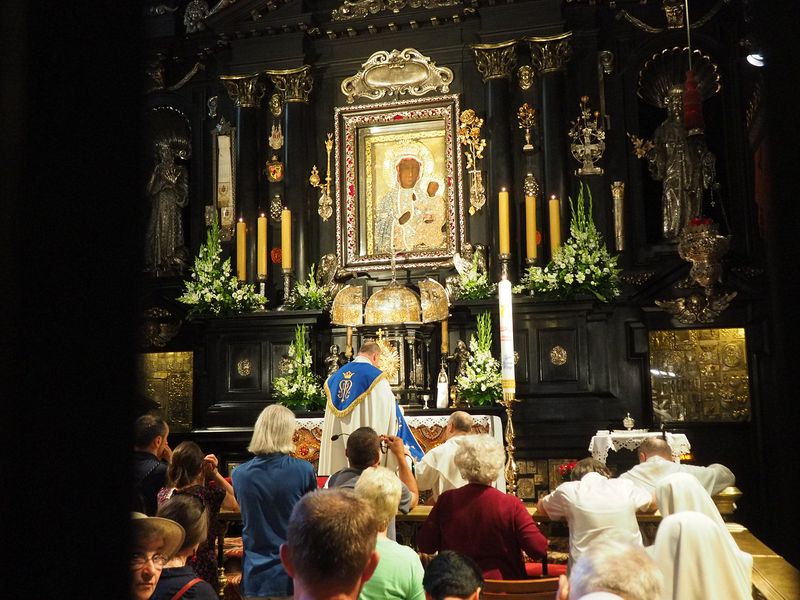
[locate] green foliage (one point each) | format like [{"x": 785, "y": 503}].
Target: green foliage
[
  {"x": 298, "y": 387},
  {"x": 212, "y": 289},
  {"x": 475, "y": 285},
  {"x": 480, "y": 383},
  {"x": 309, "y": 295},
  {"x": 582, "y": 265}
]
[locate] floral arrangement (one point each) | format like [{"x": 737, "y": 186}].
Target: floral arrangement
[
  {"x": 212, "y": 289},
  {"x": 582, "y": 265},
  {"x": 297, "y": 386},
  {"x": 480, "y": 383},
  {"x": 309, "y": 295},
  {"x": 565, "y": 471},
  {"x": 474, "y": 284}
]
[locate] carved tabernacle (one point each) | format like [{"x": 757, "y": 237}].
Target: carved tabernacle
[{"x": 397, "y": 73}]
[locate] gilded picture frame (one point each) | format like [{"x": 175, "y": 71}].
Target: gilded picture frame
[{"x": 399, "y": 188}]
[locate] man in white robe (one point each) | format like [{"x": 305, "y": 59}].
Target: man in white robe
[
  {"x": 655, "y": 463},
  {"x": 437, "y": 470},
  {"x": 358, "y": 396}
]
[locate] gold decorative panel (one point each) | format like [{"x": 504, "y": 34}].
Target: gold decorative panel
[
  {"x": 699, "y": 375},
  {"x": 167, "y": 378}
]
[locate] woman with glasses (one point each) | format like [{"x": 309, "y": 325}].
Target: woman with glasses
[
  {"x": 178, "y": 578},
  {"x": 153, "y": 540},
  {"x": 193, "y": 474}
]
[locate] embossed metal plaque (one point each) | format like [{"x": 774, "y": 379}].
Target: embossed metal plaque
[{"x": 167, "y": 378}]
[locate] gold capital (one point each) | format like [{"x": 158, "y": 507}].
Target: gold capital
[
  {"x": 495, "y": 61},
  {"x": 293, "y": 84},
  {"x": 246, "y": 91},
  {"x": 550, "y": 54}
]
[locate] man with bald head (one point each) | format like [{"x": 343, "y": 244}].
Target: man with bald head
[
  {"x": 656, "y": 462},
  {"x": 437, "y": 470}
]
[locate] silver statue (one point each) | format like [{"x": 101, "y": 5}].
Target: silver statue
[
  {"x": 682, "y": 162},
  {"x": 461, "y": 356},
  {"x": 168, "y": 194},
  {"x": 334, "y": 359}
]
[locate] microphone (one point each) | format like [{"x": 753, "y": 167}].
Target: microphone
[{"x": 337, "y": 436}]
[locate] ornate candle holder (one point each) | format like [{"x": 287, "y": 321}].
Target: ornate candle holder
[
  {"x": 507, "y": 402},
  {"x": 288, "y": 290},
  {"x": 469, "y": 134},
  {"x": 325, "y": 209},
  {"x": 505, "y": 264},
  {"x": 526, "y": 117},
  {"x": 588, "y": 138}
]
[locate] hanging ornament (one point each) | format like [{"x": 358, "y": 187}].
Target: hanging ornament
[
  {"x": 274, "y": 170},
  {"x": 276, "y": 137}
]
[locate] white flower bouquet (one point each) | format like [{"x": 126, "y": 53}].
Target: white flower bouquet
[
  {"x": 298, "y": 387},
  {"x": 480, "y": 383}
]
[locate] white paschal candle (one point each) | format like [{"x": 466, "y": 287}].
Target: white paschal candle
[{"x": 506, "y": 337}]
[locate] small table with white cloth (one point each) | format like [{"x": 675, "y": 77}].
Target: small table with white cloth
[{"x": 603, "y": 441}]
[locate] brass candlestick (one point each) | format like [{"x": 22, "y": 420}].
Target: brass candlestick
[
  {"x": 287, "y": 290},
  {"x": 509, "y": 398},
  {"x": 325, "y": 209},
  {"x": 505, "y": 263}
]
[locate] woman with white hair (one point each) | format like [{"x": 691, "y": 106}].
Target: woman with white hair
[
  {"x": 697, "y": 561},
  {"x": 478, "y": 521},
  {"x": 267, "y": 488},
  {"x": 399, "y": 573}
]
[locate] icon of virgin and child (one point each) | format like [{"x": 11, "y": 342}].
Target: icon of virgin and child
[{"x": 412, "y": 214}]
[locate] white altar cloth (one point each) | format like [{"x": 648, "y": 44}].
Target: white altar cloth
[{"x": 603, "y": 441}]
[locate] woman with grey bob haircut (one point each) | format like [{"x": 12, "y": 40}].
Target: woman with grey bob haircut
[
  {"x": 273, "y": 431},
  {"x": 480, "y": 458}
]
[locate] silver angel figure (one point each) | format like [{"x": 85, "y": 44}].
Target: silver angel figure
[{"x": 168, "y": 194}]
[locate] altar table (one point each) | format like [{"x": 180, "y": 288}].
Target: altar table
[{"x": 603, "y": 441}]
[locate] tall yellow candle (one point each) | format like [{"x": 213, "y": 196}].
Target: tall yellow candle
[
  {"x": 445, "y": 338},
  {"x": 530, "y": 226},
  {"x": 555, "y": 224},
  {"x": 502, "y": 217},
  {"x": 262, "y": 247},
  {"x": 286, "y": 238},
  {"x": 241, "y": 250}
]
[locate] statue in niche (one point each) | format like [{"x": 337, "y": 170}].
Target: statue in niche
[
  {"x": 168, "y": 195},
  {"x": 682, "y": 162}
]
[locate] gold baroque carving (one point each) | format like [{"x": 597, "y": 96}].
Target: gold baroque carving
[
  {"x": 246, "y": 91},
  {"x": 558, "y": 355},
  {"x": 525, "y": 76},
  {"x": 294, "y": 85},
  {"x": 396, "y": 73},
  {"x": 244, "y": 367},
  {"x": 360, "y": 9},
  {"x": 495, "y": 61},
  {"x": 550, "y": 54}
]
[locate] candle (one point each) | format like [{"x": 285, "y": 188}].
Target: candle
[
  {"x": 241, "y": 250},
  {"x": 445, "y": 339},
  {"x": 555, "y": 224},
  {"x": 507, "y": 375},
  {"x": 502, "y": 215},
  {"x": 530, "y": 226},
  {"x": 286, "y": 239},
  {"x": 349, "y": 348},
  {"x": 262, "y": 247}
]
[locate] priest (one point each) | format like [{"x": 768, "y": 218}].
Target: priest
[{"x": 360, "y": 396}]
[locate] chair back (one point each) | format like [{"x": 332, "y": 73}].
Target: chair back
[{"x": 543, "y": 588}]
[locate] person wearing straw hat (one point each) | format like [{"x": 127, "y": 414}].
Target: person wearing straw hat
[{"x": 154, "y": 540}]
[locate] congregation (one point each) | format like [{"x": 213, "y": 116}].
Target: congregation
[{"x": 307, "y": 543}]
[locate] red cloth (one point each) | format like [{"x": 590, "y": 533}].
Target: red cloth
[{"x": 489, "y": 526}]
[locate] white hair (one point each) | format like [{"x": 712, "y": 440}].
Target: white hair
[
  {"x": 273, "y": 431},
  {"x": 381, "y": 488},
  {"x": 480, "y": 458}
]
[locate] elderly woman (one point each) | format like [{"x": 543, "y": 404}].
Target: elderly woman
[
  {"x": 478, "y": 521},
  {"x": 154, "y": 541},
  {"x": 399, "y": 573},
  {"x": 178, "y": 574},
  {"x": 267, "y": 488}
]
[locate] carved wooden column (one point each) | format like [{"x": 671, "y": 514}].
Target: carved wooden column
[
  {"x": 294, "y": 86},
  {"x": 246, "y": 91},
  {"x": 549, "y": 58},
  {"x": 495, "y": 63}
]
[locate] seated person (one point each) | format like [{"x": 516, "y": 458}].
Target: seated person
[
  {"x": 153, "y": 542},
  {"x": 655, "y": 463},
  {"x": 594, "y": 505},
  {"x": 399, "y": 573},
  {"x": 476, "y": 520},
  {"x": 697, "y": 561},
  {"x": 364, "y": 448},
  {"x": 612, "y": 568},
  {"x": 178, "y": 574},
  {"x": 151, "y": 455},
  {"x": 191, "y": 473},
  {"x": 437, "y": 470},
  {"x": 330, "y": 545},
  {"x": 452, "y": 576}
]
